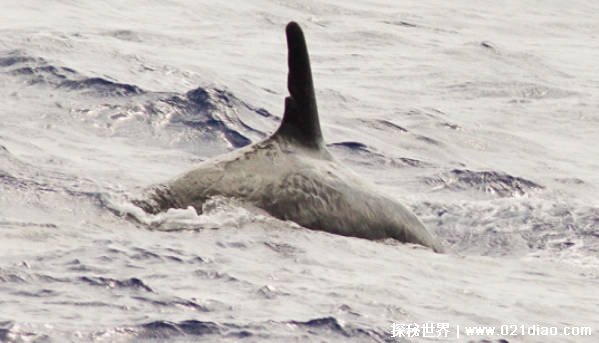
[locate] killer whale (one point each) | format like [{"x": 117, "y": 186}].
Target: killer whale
[{"x": 292, "y": 176}]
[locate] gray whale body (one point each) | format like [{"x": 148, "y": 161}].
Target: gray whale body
[{"x": 292, "y": 176}]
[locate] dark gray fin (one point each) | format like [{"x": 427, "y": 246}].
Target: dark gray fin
[{"x": 300, "y": 120}]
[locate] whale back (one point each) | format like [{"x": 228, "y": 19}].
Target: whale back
[
  {"x": 300, "y": 123},
  {"x": 292, "y": 176}
]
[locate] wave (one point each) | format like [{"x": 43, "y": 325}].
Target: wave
[
  {"x": 106, "y": 282},
  {"x": 361, "y": 153},
  {"x": 515, "y": 227},
  {"x": 515, "y": 91},
  {"x": 216, "y": 111},
  {"x": 318, "y": 327},
  {"x": 201, "y": 114},
  {"x": 180, "y": 303},
  {"x": 490, "y": 182},
  {"x": 38, "y": 71},
  {"x": 191, "y": 120},
  {"x": 163, "y": 329}
]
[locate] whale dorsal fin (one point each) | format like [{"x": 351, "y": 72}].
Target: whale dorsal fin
[{"x": 300, "y": 120}]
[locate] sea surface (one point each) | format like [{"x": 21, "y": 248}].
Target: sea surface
[{"x": 481, "y": 117}]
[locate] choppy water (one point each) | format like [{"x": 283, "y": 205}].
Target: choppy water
[{"x": 482, "y": 118}]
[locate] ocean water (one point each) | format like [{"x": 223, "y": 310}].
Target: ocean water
[{"x": 480, "y": 117}]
